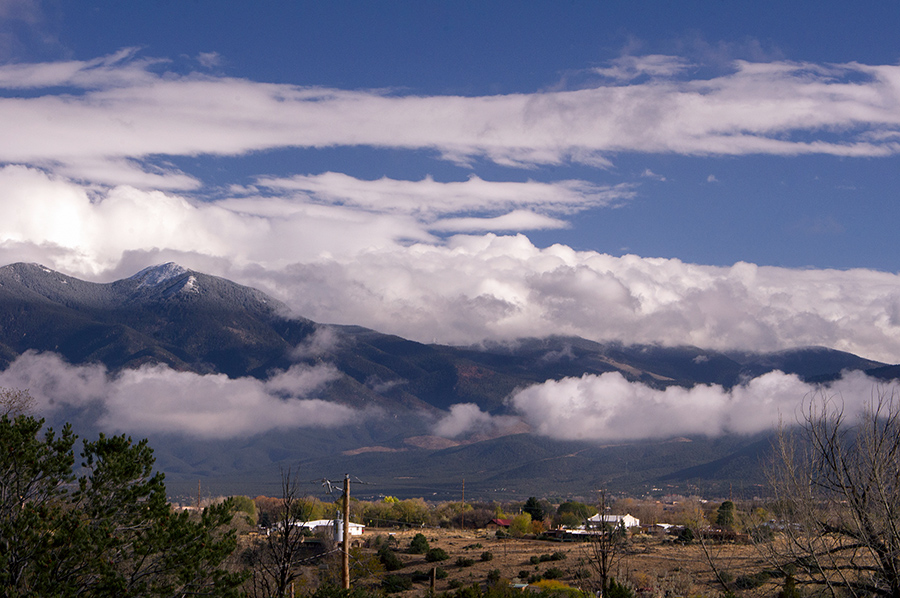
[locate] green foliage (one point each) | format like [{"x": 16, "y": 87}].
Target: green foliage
[
  {"x": 568, "y": 520},
  {"x": 396, "y": 583},
  {"x": 473, "y": 591},
  {"x": 572, "y": 513},
  {"x": 725, "y": 515},
  {"x": 487, "y": 555},
  {"x": 533, "y": 507},
  {"x": 32, "y": 472},
  {"x": 308, "y": 508},
  {"x": 617, "y": 590},
  {"x": 113, "y": 535},
  {"x": 389, "y": 559},
  {"x": 245, "y": 505},
  {"x": 328, "y": 590},
  {"x": 441, "y": 573},
  {"x": 558, "y": 556},
  {"x": 557, "y": 589},
  {"x": 553, "y": 573},
  {"x": 464, "y": 562},
  {"x": 436, "y": 554},
  {"x": 493, "y": 576},
  {"x": 419, "y": 544},
  {"x": 520, "y": 525}
]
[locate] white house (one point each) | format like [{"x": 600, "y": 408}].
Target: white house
[
  {"x": 331, "y": 526},
  {"x": 625, "y": 521},
  {"x": 335, "y": 525}
]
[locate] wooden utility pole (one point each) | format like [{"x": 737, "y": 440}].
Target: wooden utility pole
[{"x": 345, "y": 550}]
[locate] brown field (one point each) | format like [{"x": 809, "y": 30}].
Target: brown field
[{"x": 655, "y": 566}]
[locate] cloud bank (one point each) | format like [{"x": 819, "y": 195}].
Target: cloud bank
[
  {"x": 156, "y": 399},
  {"x": 118, "y": 111},
  {"x": 337, "y": 264},
  {"x": 610, "y": 408}
]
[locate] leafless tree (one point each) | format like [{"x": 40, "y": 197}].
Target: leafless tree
[
  {"x": 275, "y": 562},
  {"x": 837, "y": 484},
  {"x": 606, "y": 548},
  {"x": 15, "y": 402}
]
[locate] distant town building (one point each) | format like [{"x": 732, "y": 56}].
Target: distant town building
[{"x": 626, "y": 521}]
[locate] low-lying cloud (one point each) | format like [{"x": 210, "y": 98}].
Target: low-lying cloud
[
  {"x": 156, "y": 399},
  {"x": 610, "y": 408},
  {"x": 468, "y": 418}
]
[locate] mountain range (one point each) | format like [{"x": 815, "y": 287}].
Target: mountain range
[{"x": 189, "y": 322}]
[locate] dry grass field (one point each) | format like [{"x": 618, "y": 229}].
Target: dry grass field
[{"x": 655, "y": 566}]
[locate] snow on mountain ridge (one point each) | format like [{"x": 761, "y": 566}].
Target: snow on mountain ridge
[{"x": 158, "y": 274}]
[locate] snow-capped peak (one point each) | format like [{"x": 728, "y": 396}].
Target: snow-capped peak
[{"x": 160, "y": 273}]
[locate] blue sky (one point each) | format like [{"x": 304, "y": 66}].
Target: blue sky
[{"x": 456, "y": 172}]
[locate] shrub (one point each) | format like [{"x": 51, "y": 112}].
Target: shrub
[
  {"x": 553, "y": 573},
  {"x": 440, "y": 573},
  {"x": 558, "y": 589},
  {"x": 534, "y": 560},
  {"x": 558, "y": 556},
  {"x": 464, "y": 562},
  {"x": 454, "y": 583},
  {"x": 396, "y": 583},
  {"x": 419, "y": 544},
  {"x": 617, "y": 590},
  {"x": 493, "y": 576},
  {"x": 436, "y": 554},
  {"x": 487, "y": 555},
  {"x": 390, "y": 560}
]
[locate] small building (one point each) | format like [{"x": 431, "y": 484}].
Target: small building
[
  {"x": 333, "y": 525},
  {"x": 328, "y": 526},
  {"x": 626, "y": 521},
  {"x": 499, "y": 524}
]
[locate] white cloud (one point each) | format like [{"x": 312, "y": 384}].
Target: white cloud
[
  {"x": 428, "y": 198},
  {"x": 649, "y": 174},
  {"x": 468, "y": 418},
  {"x": 126, "y": 112},
  {"x": 608, "y": 407},
  {"x": 517, "y": 220},
  {"x": 321, "y": 342},
  {"x": 347, "y": 265},
  {"x": 492, "y": 287},
  {"x": 628, "y": 68},
  {"x": 157, "y": 399},
  {"x": 209, "y": 59}
]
